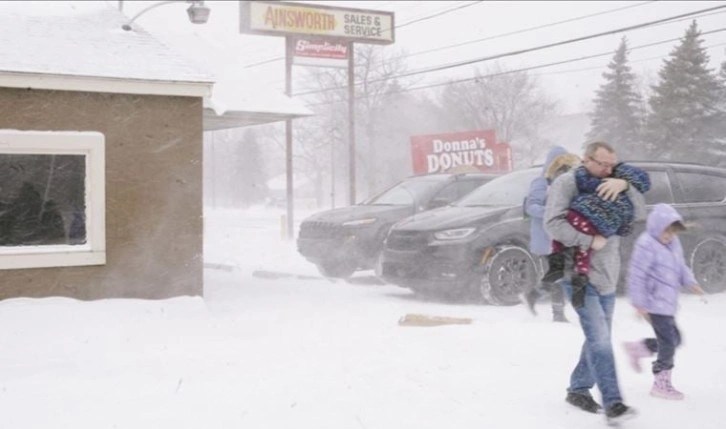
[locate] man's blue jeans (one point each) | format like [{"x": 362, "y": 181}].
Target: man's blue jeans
[{"x": 597, "y": 363}]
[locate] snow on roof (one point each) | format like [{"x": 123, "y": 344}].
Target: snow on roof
[
  {"x": 237, "y": 94},
  {"x": 238, "y": 98},
  {"x": 86, "y": 43}
]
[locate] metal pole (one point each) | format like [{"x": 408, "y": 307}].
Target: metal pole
[
  {"x": 289, "y": 43},
  {"x": 214, "y": 172},
  {"x": 351, "y": 124},
  {"x": 332, "y": 170}
]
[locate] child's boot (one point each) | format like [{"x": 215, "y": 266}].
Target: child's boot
[
  {"x": 636, "y": 350},
  {"x": 556, "y": 263},
  {"x": 558, "y": 313},
  {"x": 529, "y": 298},
  {"x": 662, "y": 387}
]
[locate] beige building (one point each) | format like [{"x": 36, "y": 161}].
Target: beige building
[{"x": 101, "y": 158}]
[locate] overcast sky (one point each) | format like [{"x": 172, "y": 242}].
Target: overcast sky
[{"x": 219, "y": 45}]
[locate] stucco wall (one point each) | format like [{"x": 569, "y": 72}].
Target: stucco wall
[{"x": 153, "y": 193}]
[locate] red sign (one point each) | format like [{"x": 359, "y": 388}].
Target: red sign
[
  {"x": 440, "y": 153},
  {"x": 321, "y": 49}
]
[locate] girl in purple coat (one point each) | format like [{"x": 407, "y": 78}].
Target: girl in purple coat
[{"x": 656, "y": 275}]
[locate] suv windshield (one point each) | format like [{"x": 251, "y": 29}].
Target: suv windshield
[
  {"x": 406, "y": 193},
  {"x": 507, "y": 190}
]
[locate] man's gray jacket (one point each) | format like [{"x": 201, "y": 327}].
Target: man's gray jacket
[{"x": 604, "y": 263}]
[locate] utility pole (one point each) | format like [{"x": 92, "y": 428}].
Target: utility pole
[
  {"x": 289, "y": 49},
  {"x": 332, "y": 169},
  {"x": 351, "y": 125}
]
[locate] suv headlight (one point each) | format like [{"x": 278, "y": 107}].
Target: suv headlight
[
  {"x": 454, "y": 234},
  {"x": 360, "y": 222}
]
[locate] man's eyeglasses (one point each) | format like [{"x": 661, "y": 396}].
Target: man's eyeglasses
[{"x": 602, "y": 164}]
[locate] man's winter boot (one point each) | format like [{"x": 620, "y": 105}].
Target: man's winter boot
[
  {"x": 619, "y": 412},
  {"x": 662, "y": 387},
  {"x": 636, "y": 350},
  {"x": 556, "y": 263},
  {"x": 583, "y": 402}
]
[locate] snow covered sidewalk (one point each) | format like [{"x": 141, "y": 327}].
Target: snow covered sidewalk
[{"x": 304, "y": 352}]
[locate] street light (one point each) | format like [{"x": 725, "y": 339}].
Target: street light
[{"x": 197, "y": 11}]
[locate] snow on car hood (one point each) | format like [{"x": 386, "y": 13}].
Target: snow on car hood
[
  {"x": 451, "y": 217},
  {"x": 356, "y": 212}
]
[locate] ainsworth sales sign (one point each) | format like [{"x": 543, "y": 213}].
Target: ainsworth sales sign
[
  {"x": 280, "y": 18},
  {"x": 439, "y": 153}
]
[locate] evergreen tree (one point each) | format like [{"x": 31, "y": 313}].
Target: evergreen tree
[
  {"x": 721, "y": 116},
  {"x": 685, "y": 118},
  {"x": 618, "y": 116}
]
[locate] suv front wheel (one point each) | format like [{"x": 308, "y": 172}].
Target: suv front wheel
[{"x": 508, "y": 273}]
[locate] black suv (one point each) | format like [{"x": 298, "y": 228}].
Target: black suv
[
  {"x": 341, "y": 241},
  {"x": 478, "y": 247}
]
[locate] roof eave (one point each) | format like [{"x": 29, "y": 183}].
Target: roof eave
[
  {"x": 55, "y": 82},
  {"x": 239, "y": 119}
]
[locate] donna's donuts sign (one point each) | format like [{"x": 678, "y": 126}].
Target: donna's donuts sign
[{"x": 441, "y": 153}]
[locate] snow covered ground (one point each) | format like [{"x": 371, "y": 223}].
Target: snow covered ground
[{"x": 300, "y": 351}]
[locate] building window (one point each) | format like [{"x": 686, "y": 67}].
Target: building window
[{"x": 52, "y": 199}]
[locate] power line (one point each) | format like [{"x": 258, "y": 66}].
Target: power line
[
  {"x": 523, "y": 51},
  {"x": 663, "y": 23},
  {"x": 434, "y": 15},
  {"x": 630, "y": 61},
  {"x": 496, "y": 36},
  {"x": 548, "y": 25},
  {"x": 422, "y": 11},
  {"x": 525, "y": 30},
  {"x": 540, "y": 66}
]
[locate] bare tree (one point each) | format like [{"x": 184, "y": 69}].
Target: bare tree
[
  {"x": 512, "y": 103},
  {"x": 377, "y": 74},
  {"x": 311, "y": 147},
  {"x": 321, "y": 141}
]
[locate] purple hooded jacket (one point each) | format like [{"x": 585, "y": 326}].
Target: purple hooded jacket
[{"x": 658, "y": 271}]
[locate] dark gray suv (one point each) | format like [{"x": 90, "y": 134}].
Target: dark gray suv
[
  {"x": 341, "y": 241},
  {"x": 478, "y": 247}
]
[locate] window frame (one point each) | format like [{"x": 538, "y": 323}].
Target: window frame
[
  {"x": 682, "y": 192},
  {"x": 669, "y": 175},
  {"x": 91, "y": 145}
]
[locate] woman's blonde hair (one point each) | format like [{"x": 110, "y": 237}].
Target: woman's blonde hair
[{"x": 561, "y": 164}]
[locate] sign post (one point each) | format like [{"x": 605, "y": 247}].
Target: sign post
[
  {"x": 288, "y": 143},
  {"x": 351, "y": 126},
  {"x": 299, "y": 22}
]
